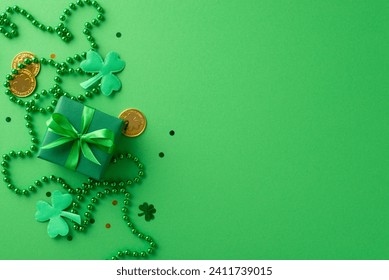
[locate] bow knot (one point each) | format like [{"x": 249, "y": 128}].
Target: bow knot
[{"x": 102, "y": 138}]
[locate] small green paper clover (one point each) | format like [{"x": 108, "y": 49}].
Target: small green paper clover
[
  {"x": 105, "y": 71},
  {"x": 148, "y": 211},
  {"x": 57, "y": 225}
]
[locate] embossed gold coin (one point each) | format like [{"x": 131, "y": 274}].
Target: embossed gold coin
[
  {"x": 23, "y": 84},
  {"x": 34, "y": 68},
  {"x": 134, "y": 122}
]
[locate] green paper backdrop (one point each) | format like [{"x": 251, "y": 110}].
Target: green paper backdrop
[{"x": 280, "y": 114}]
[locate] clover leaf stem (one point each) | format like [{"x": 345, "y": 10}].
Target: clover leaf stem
[
  {"x": 71, "y": 216},
  {"x": 91, "y": 81}
]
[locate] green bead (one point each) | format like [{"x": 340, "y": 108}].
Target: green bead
[
  {"x": 62, "y": 18},
  {"x": 11, "y": 187},
  {"x": 94, "y": 45},
  {"x": 88, "y": 2},
  {"x": 88, "y": 25},
  {"x": 26, "y": 192},
  {"x": 86, "y": 31},
  {"x": 100, "y": 17},
  {"x": 6, "y": 84},
  {"x": 33, "y": 148},
  {"x": 80, "y": 3},
  {"x": 45, "y": 179},
  {"x": 150, "y": 251},
  {"x": 143, "y": 254},
  {"x": 135, "y": 254},
  {"x": 126, "y": 218},
  {"x": 8, "y": 92},
  {"x": 28, "y": 153},
  {"x": 49, "y": 29},
  {"x": 67, "y": 12},
  {"x": 70, "y": 60},
  {"x": 153, "y": 245},
  {"x": 57, "y": 79},
  {"x": 9, "y": 77},
  {"x": 32, "y": 188},
  {"x": 72, "y": 6},
  {"x": 12, "y": 154}
]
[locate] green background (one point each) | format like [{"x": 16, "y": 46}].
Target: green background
[{"x": 281, "y": 129}]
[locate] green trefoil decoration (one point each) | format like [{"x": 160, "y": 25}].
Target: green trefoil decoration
[
  {"x": 104, "y": 71},
  {"x": 148, "y": 211},
  {"x": 55, "y": 214}
]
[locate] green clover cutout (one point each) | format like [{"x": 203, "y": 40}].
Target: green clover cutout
[
  {"x": 105, "y": 71},
  {"x": 55, "y": 214},
  {"x": 148, "y": 211}
]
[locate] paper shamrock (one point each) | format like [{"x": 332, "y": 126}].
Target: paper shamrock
[
  {"x": 148, "y": 211},
  {"x": 55, "y": 214},
  {"x": 105, "y": 71}
]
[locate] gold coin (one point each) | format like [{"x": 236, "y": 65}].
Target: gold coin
[
  {"x": 23, "y": 84},
  {"x": 135, "y": 122},
  {"x": 34, "y": 68}
]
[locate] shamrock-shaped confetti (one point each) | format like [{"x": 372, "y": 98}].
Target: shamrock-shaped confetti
[
  {"x": 148, "y": 211},
  {"x": 104, "y": 70},
  {"x": 54, "y": 214}
]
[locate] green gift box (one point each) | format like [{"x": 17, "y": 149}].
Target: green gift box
[{"x": 80, "y": 138}]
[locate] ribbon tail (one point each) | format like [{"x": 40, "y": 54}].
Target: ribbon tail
[
  {"x": 87, "y": 152},
  {"x": 74, "y": 156}
]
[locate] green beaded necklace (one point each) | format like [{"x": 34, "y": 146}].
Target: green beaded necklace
[{"x": 92, "y": 189}]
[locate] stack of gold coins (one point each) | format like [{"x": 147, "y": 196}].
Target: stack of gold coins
[{"x": 23, "y": 84}]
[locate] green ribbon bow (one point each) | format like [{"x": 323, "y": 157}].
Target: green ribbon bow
[{"x": 102, "y": 138}]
